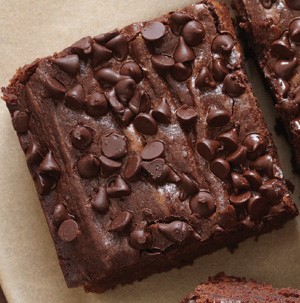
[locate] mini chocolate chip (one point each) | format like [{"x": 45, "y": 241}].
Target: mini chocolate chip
[
  {"x": 133, "y": 70},
  {"x": 125, "y": 89},
  {"x": 239, "y": 182},
  {"x": 88, "y": 166},
  {"x": 117, "y": 188},
  {"x": 267, "y": 3},
  {"x": 155, "y": 168},
  {"x": 75, "y": 97},
  {"x": 103, "y": 38},
  {"x": 203, "y": 204},
  {"x": 153, "y": 150},
  {"x": 141, "y": 237},
  {"x": 217, "y": 117},
  {"x": 177, "y": 20},
  {"x": 183, "y": 53},
  {"x": 20, "y": 121},
  {"x": 188, "y": 187},
  {"x": 233, "y": 85},
  {"x": 218, "y": 68},
  {"x": 45, "y": 183},
  {"x": 223, "y": 44},
  {"x": 229, "y": 139},
  {"x": 132, "y": 167},
  {"x": 121, "y": 222},
  {"x": 100, "y": 201},
  {"x": 145, "y": 124},
  {"x": 272, "y": 190},
  {"x": 96, "y": 105},
  {"x": 240, "y": 198},
  {"x": 253, "y": 178},
  {"x": 82, "y": 46},
  {"x": 108, "y": 166},
  {"x": 294, "y": 30},
  {"x": 116, "y": 105},
  {"x": 186, "y": 116},
  {"x": 69, "y": 64},
  {"x": 119, "y": 46},
  {"x": 49, "y": 165},
  {"x": 285, "y": 68},
  {"x": 293, "y": 4},
  {"x": 281, "y": 48},
  {"x": 176, "y": 231},
  {"x": 207, "y": 148},
  {"x": 60, "y": 214},
  {"x": 258, "y": 207},
  {"x": 108, "y": 77},
  {"x": 193, "y": 33},
  {"x": 239, "y": 156},
  {"x": 162, "y": 63},
  {"x": 114, "y": 145},
  {"x": 220, "y": 168},
  {"x": 33, "y": 153},
  {"x": 265, "y": 164},
  {"x": 162, "y": 112},
  {"x": 100, "y": 54},
  {"x": 205, "y": 79},
  {"x": 68, "y": 230},
  {"x": 153, "y": 31},
  {"x": 81, "y": 137},
  {"x": 256, "y": 145},
  {"x": 181, "y": 72},
  {"x": 53, "y": 88}
]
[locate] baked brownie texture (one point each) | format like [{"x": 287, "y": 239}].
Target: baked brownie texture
[
  {"x": 147, "y": 147},
  {"x": 224, "y": 289},
  {"x": 272, "y": 28}
]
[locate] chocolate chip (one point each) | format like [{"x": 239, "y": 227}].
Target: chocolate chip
[
  {"x": 267, "y": 3},
  {"x": 117, "y": 188},
  {"x": 121, "y": 222},
  {"x": 265, "y": 164},
  {"x": 20, "y": 121},
  {"x": 233, "y": 85},
  {"x": 68, "y": 230},
  {"x": 126, "y": 117},
  {"x": 133, "y": 70},
  {"x": 155, "y": 168},
  {"x": 162, "y": 63},
  {"x": 186, "y": 116},
  {"x": 145, "y": 124},
  {"x": 153, "y": 31},
  {"x": 81, "y": 137},
  {"x": 223, "y": 44},
  {"x": 88, "y": 166},
  {"x": 285, "y": 68},
  {"x": 240, "y": 198},
  {"x": 83, "y": 46},
  {"x": 170, "y": 175},
  {"x": 96, "y": 105},
  {"x": 75, "y": 97},
  {"x": 188, "y": 187},
  {"x": 33, "y": 154},
  {"x": 69, "y": 64},
  {"x": 207, "y": 148},
  {"x": 53, "y": 88},
  {"x": 116, "y": 105},
  {"x": 217, "y": 117},
  {"x": 283, "y": 88},
  {"x": 220, "y": 168},
  {"x": 125, "y": 89},
  {"x": 108, "y": 77},
  {"x": 229, "y": 139},
  {"x": 153, "y": 150},
  {"x": 193, "y": 33},
  {"x": 100, "y": 54},
  {"x": 239, "y": 182},
  {"x": 183, "y": 53},
  {"x": 203, "y": 204},
  {"x": 181, "y": 72},
  {"x": 272, "y": 190},
  {"x": 205, "y": 79},
  {"x": 218, "y": 68},
  {"x": 103, "y": 38},
  {"x": 60, "y": 214},
  {"x": 145, "y": 103},
  {"x": 258, "y": 207},
  {"x": 162, "y": 112},
  {"x": 281, "y": 48},
  {"x": 177, "y": 20},
  {"x": 45, "y": 183},
  {"x": 119, "y": 46},
  {"x": 49, "y": 165},
  {"x": 100, "y": 201},
  {"x": 256, "y": 145},
  {"x": 108, "y": 166},
  {"x": 176, "y": 231},
  {"x": 253, "y": 178},
  {"x": 288, "y": 107},
  {"x": 294, "y": 30},
  {"x": 239, "y": 156},
  {"x": 114, "y": 145},
  {"x": 141, "y": 237},
  {"x": 132, "y": 167},
  {"x": 293, "y": 4}
]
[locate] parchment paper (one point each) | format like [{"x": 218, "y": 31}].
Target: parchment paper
[{"x": 29, "y": 271}]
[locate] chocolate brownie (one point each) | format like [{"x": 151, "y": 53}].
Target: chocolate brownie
[
  {"x": 221, "y": 289},
  {"x": 147, "y": 147},
  {"x": 273, "y": 28}
]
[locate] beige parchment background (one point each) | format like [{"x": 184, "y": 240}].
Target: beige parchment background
[{"x": 29, "y": 271}]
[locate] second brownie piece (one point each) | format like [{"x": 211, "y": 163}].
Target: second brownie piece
[{"x": 147, "y": 147}]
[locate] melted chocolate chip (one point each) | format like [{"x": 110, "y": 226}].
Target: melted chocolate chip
[
  {"x": 125, "y": 89},
  {"x": 75, "y": 97},
  {"x": 203, "y": 204},
  {"x": 265, "y": 164},
  {"x": 177, "y": 20},
  {"x": 162, "y": 63},
  {"x": 293, "y": 4},
  {"x": 176, "y": 231},
  {"x": 239, "y": 156},
  {"x": 218, "y": 68},
  {"x": 205, "y": 79},
  {"x": 285, "y": 68},
  {"x": 114, "y": 145},
  {"x": 45, "y": 183},
  {"x": 119, "y": 46},
  {"x": 133, "y": 70},
  {"x": 49, "y": 165},
  {"x": 153, "y": 31},
  {"x": 193, "y": 33},
  {"x": 233, "y": 85},
  {"x": 145, "y": 124},
  {"x": 108, "y": 77},
  {"x": 223, "y": 44},
  {"x": 121, "y": 222},
  {"x": 256, "y": 145},
  {"x": 141, "y": 237},
  {"x": 53, "y": 88},
  {"x": 207, "y": 148},
  {"x": 258, "y": 207},
  {"x": 240, "y": 198},
  {"x": 294, "y": 30},
  {"x": 96, "y": 105},
  {"x": 253, "y": 178},
  {"x": 229, "y": 139},
  {"x": 153, "y": 150},
  {"x": 239, "y": 182},
  {"x": 117, "y": 188},
  {"x": 181, "y": 72},
  {"x": 281, "y": 48},
  {"x": 188, "y": 187},
  {"x": 162, "y": 112},
  {"x": 272, "y": 190},
  {"x": 100, "y": 54},
  {"x": 132, "y": 167},
  {"x": 20, "y": 122},
  {"x": 60, "y": 214},
  {"x": 33, "y": 154},
  {"x": 183, "y": 52},
  {"x": 88, "y": 166},
  {"x": 82, "y": 46},
  {"x": 155, "y": 168},
  {"x": 100, "y": 201},
  {"x": 186, "y": 116},
  {"x": 217, "y": 117},
  {"x": 68, "y": 230},
  {"x": 220, "y": 168},
  {"x": 81, "y": 137},
  {"x": 108, "y": 166},
  {"x": 69, "y": 64}
]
